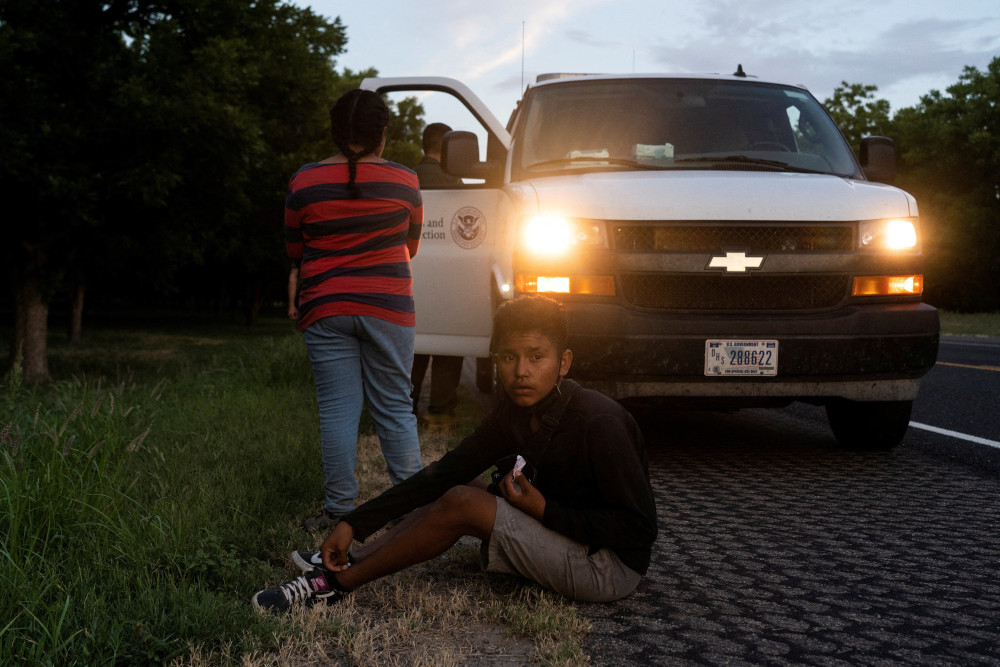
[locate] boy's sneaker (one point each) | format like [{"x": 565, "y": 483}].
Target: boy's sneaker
[
  {"x": 307, "y": 560},
  {"x": 309, "y": 589},
  {"x": 312, "y": 560}
]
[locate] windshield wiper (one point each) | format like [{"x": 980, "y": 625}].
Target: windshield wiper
[
  {"x": 591, "y": 160},
  {"x": 584, "y": 160},
  {"x": 743, "y": 159}
]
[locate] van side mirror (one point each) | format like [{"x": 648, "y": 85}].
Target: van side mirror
[
  {"x": 878, "y": 159},
  {"x": 460, "y": 157}
]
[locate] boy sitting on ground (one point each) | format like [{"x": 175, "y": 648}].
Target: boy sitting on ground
[{"x": 578, "y": 519}]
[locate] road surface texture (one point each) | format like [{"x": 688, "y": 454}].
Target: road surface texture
[{"x": 777, "y": 547}]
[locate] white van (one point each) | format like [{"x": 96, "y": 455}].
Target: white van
[{"x": 713, "y": 238}]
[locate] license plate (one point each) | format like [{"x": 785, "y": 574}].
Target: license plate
[{"x": 741, "y": 357}]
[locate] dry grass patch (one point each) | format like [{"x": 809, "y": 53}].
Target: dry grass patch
[{"x": 441, "y": 613}]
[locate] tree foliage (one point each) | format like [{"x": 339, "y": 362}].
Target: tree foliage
[
  {"x": 149, "y": 144},
  {"x": 238, "y": 92},
  {"x": 948, "y": 151},
  {"x": 403, "y": 144},
  {"x": 62, "y": 62},
  {"x": 858, "y": 112}
]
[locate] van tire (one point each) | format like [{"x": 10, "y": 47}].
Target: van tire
[{"x": 869, "y": 425}]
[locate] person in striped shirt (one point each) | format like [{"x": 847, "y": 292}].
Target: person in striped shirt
[{"x": 352, "y": 224}]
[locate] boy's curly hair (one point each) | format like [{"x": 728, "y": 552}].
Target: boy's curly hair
[{"x": 530, "y": 314}]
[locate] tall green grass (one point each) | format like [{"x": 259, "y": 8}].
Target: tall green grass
[
  {"x": 161, "y": 479},
  {"x": 139, "y": 510},
  {"x": 970, "y": 324}
]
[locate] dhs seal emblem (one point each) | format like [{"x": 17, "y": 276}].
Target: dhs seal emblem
[{"x": 468, "y": 227}]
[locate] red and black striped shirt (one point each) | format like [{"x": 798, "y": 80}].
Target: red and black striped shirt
[{"x": 354, "y": 254}]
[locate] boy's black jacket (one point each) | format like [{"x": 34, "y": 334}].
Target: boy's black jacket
[{"x": 593, "y": 473}]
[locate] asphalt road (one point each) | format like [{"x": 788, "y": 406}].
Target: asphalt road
[
  {"x": 962, "y": 392},
  {"x": 777, "y": 547}
]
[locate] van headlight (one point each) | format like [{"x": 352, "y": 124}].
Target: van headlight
[
  {"x": 556, "y": 235},
  {"x": 889, "y": 234}
]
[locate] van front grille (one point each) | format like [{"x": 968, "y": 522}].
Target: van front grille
[
  {"x": 720, "y": 292},
  {"x": 714, "y": 237}
]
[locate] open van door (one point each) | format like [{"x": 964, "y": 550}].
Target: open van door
[{"x": 453, "y": 272}]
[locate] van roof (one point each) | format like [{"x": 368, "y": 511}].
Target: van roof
[{"x": 555, "y": 77}]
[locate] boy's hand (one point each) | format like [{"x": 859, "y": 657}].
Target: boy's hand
[
  {"x": 334, "y": 549},
  {"x": 524, "y": 496}
]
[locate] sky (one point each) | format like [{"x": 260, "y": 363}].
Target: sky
[{"x": 905, "y": 47}]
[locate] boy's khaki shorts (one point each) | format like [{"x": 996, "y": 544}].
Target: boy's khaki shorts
[{"x": 521, "y": 545}]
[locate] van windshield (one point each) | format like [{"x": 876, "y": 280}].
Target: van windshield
[{"x": 597, "y": 124}]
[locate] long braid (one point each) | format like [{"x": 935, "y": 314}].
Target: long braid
[
  {"x": 359, "y": 117},
  {"x": 352, "y": 170}
]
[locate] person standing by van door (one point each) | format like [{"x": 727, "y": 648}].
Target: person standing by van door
[
  {"x": 352, "y": 222},
  {"x": 446, "y": 371}
]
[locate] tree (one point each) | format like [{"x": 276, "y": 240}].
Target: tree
[
  {"x": 405, "y": 130},
  {"x": 949, "y": 153},
  {"x": 149, "y": 142},
  {"x": 253, "y": 97},
  {"x": 60, "y": 62},
  {"x": 857, "y": 112}
]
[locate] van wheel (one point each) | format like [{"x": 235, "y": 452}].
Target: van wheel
[
  {"x": 485, "y": 375},
  {"x": 869, "y": 425}
]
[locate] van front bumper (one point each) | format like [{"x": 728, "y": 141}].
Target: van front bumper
[{"x": 875, "y": 352}]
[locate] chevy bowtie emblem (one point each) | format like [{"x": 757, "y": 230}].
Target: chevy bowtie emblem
[{"x": 735, "y": 262}]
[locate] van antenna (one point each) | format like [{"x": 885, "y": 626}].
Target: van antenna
[
  {"x": 739, "y": 71},
  {"x": 522, "y": 57}
]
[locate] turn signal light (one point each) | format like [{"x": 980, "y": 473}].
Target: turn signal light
[
  {"x": 591, "y": 285},
  {"x": 888, "y": 285}
]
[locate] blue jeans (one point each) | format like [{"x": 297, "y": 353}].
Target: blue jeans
[{"x": 358, "y": 359}]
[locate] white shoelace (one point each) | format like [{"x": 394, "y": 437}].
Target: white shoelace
[{"x": 299, "y": 588}]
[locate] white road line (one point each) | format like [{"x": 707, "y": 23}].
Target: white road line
[{"x": 956, "y": 434}]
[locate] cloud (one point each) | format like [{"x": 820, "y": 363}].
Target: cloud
[
  {"x": 899, "y": 57},
  {"x": 584, "y": 37},
  {"x": 508, "y": 83},
  {"x": 908, "y": 54},
  {"x": 492, "y": 42},
  {"x": 739, "y": 18}
]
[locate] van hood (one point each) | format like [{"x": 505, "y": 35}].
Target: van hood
[{"x": 718, "y": 195}]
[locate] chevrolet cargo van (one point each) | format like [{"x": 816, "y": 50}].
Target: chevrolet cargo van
[{"x": 713, "y": 238}]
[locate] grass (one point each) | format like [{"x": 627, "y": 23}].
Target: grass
[
  {"x": 970, "y": 324},
  {"x": 159, "y": 481}
]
